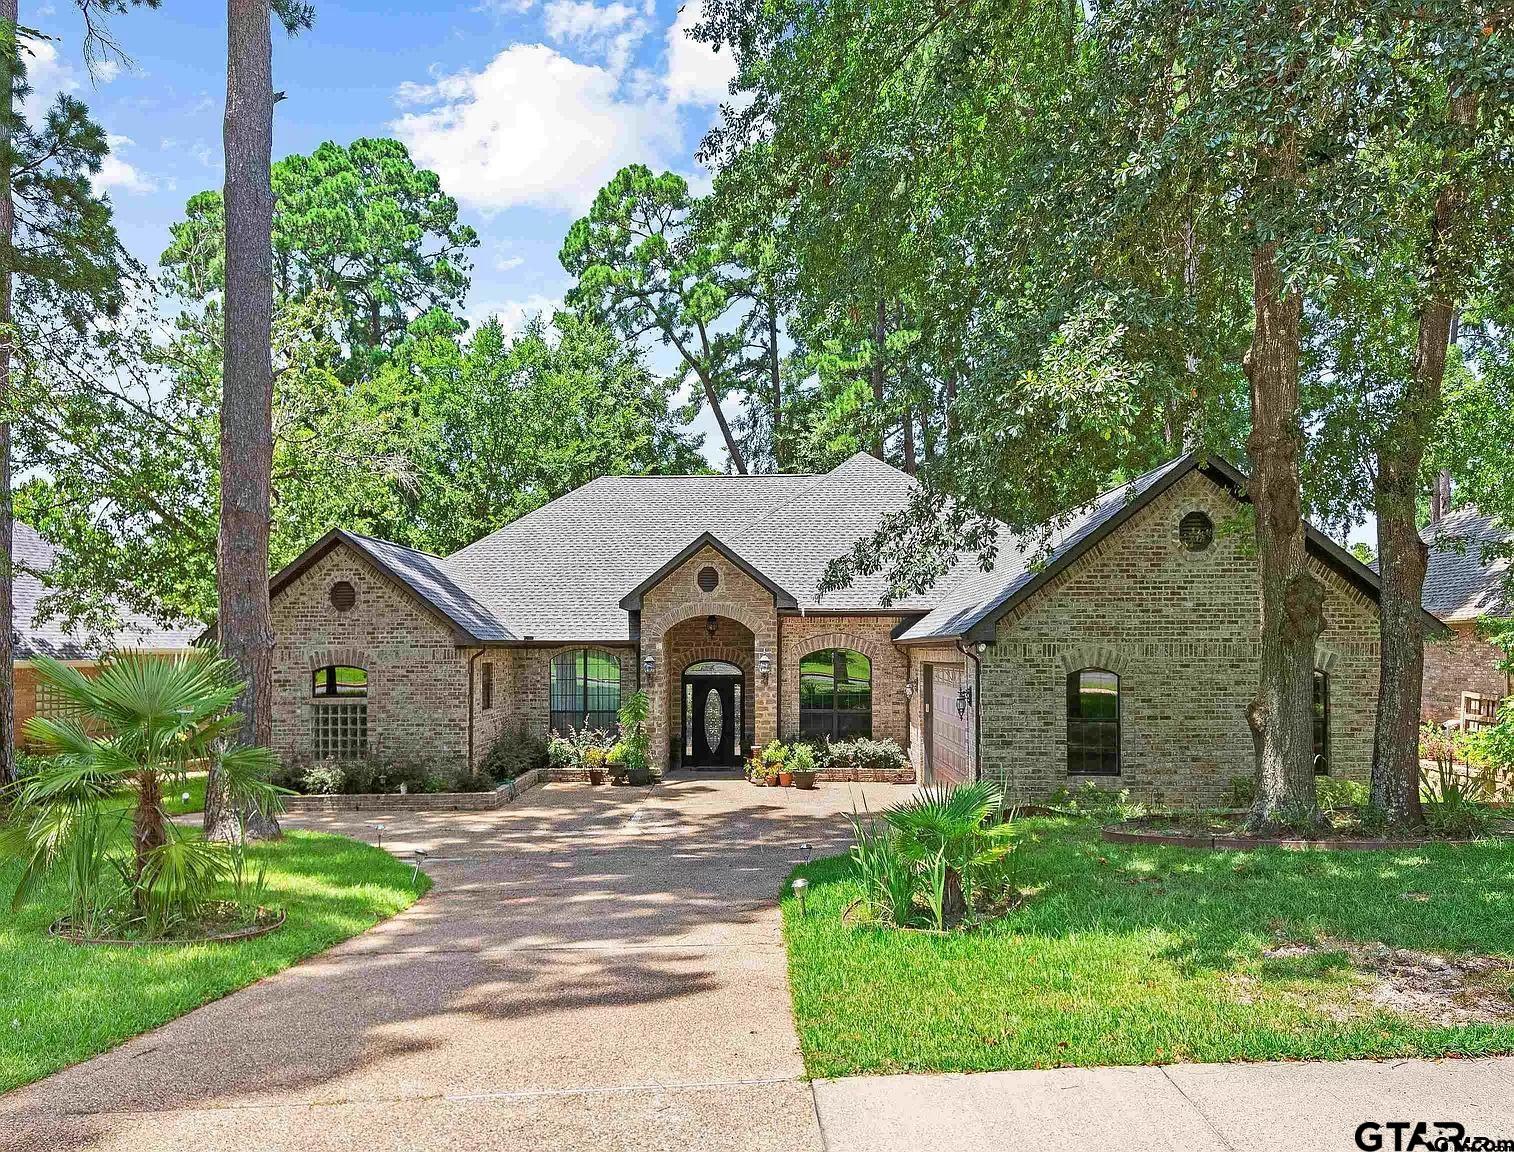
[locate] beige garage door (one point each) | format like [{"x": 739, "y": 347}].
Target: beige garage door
[{"x": 945, "y": 731}]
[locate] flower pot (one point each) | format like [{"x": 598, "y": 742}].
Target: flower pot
[
  {"x": 596, "y": 776},
  {"x": 785, "y": 779},
  {"x": 770, "y": 781},
  {"x": 805, "y": 780}
]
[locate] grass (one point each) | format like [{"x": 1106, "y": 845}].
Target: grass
[
  {"x": 61, "y": 1003},
  {"x": 1137, "y": 955}
]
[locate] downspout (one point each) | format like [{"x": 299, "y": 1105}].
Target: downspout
[
  {"x": 472, "y": 660},
  {"x": 977, "y": 708}
]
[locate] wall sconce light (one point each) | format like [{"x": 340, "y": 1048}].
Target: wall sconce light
[
  {"x": 964, "y": 700},
  {"x": 711, "y": 625},
  {"x": 648, "y": 663},
  {"x": 764, "y": 665},
  {"x": 910, "y": 688}
]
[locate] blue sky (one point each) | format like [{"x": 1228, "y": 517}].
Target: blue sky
[{"x": 525, "y": 108}]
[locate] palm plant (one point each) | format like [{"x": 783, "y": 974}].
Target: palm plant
[
  {"x": 955, "y": 835},
  {"x": 133, "y": 730}
]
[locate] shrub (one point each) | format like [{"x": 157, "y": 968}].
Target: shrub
[
  {"x": 1242, "y": 791},
  {"x": 514, "y": 754},
  {"x": 324, "y": 779},
  {"x": 1334, "y": 793},
  {"x": 634, "y": 711},
  {"x": 801, "y": 758},
  {"x": 864, "y": 755},
  {"x": 459, "y": 779},
  {"x": 561, "y": 752}
]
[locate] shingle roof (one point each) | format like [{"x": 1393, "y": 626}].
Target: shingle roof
[
  {"x": 36, "y": 637},
  {"x": 428, "y": 578},
  {"x": 1460, "y": 584},
  {"x": 976, "y": 597}
]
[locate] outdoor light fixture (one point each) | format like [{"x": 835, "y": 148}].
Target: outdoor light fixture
[
  {"x": 801, "y": 886},
  {"x": 764, "y": 665},
  {"x": 379, "y": 828},
  {"x": 648, "y": 663},
  {"x": 964, "y": 700},
  {"x": 910, "y": 688},
  {"x": 711, "y": 624},
  {"x": 420, "y": 858}
]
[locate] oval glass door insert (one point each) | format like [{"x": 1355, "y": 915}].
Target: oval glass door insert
[{"x": 713, "y": 720}]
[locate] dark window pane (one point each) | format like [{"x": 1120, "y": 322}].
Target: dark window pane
[
  {"x": 835, "y": 694},
  {"x": 1093, "y": 722},
  {"x": 1321, "y": 724},
  {"x": 584, "y": 691}
]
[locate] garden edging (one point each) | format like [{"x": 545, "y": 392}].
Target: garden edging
[{"x": 417, "y": 801}]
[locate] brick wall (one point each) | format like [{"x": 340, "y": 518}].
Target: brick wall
[
  {"x": 866, "y": 634},
  {"x": 678, "y": 598},
  {"x": 1462, "y": 662},
  {"x": 417, "y": 674},
  {"x": 522, "y": 688},
  {"x": 1180, "y": 629}
]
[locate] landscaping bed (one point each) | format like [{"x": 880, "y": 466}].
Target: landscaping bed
[
  {"x": 1137, "y": 954},
  {"x": 1344, "y": 829},
  {"x": 61, "y": 1003}
]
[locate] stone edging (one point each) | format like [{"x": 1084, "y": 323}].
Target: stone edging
[
  {"x": 416, "y": 801},
  {"x": 1223, "y": 843}
]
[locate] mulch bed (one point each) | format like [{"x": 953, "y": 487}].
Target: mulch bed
[
  {"x": 220, "y": 928},
  {"x": 1224, "y": 832}
]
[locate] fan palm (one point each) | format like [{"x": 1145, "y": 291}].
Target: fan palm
[
  {"x": 959, "y": 828},
  {"x": 134, "y": 729}
]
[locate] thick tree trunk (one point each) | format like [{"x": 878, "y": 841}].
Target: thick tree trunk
[
  {"x": 148, "y": 822},
  {"x": 1402, "y": 555},
  {"x": 244, "y": 624},
  {"x": 9, "y": 49},
  {"x": 907, "y": 432},
  {"x": 1291, "y": 597}
]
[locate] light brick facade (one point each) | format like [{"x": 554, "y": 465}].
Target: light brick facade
[
  {"x": 1459, "y": 664},
  {"x": 1180, "y": 630},
  {"x": 866, "y": 634}
]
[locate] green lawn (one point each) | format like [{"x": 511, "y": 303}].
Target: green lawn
[
  {"x": 1133, "y": 955},
  {"x": 60, "y": 1003}
]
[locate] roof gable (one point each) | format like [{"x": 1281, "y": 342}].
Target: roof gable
[
  {"x": 1460, "y": 584},
  {"x": 782, "y": 598}
]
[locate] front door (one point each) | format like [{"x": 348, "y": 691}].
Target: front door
[{"x": 710, "y": 721}]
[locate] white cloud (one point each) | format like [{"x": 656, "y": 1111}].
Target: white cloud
[
  {"x": 513, "y": 314},
  {"x": 48, "y": 75},
  {"x": 609, "y": 32},
  {"x": 116, "y": 172},
  {"x": 533, "y": 128},
  {"x": 508, "y": 263},
  {"x": 107, "y": 70},
  {"x": 697, "y": 74}
]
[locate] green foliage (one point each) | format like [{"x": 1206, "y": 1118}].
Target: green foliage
[
  {"x": 514, "y": 754},
  {"x": 637, "y": 742},
  {"x": 862, "y": 754},
  {"x": 138, "y": 725},
  {"x": 1333, "y": 793}
]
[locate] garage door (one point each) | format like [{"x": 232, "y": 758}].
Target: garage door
[{"x": 945, "y": 731}]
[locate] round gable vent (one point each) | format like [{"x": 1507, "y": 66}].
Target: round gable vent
[
  {"x": 343, "y": 595},
  {"x": 709, "y": 579},
  {"x": 1196, "y": 531}
]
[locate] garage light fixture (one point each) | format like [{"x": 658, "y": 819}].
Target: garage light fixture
[
  {"x": 764, "y": 665},
  {"x": 964, "y": 700}
]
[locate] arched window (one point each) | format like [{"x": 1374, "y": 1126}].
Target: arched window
[
  {"x": 585, "y": 690},
  {"x": 1093, "y": 723},
  {"x": 1321, "y": 723},
  {"x": 836, "y": 694},
  {"x": 339, "y": 715}
]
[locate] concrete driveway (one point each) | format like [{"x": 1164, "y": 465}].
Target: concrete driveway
[{"x": 594, "y": 968}]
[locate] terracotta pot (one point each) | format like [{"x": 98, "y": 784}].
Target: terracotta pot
[
  {"x": 771, "y": 781},
  {"x": 785, "y": 779},
  {"x": 805, "y": 780},
  {"x": 596, "y": 776}
]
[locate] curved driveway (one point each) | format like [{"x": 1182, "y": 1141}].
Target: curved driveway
[{"x": 594, "y": 968}]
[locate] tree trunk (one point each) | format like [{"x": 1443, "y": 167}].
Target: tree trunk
[
  {"x": 907, "y": 431},
  {"x": 951, "y": 412},
  {"x": 1291, "y": 598},
  {"x": 1402, "y": 555},
  {"x": 1440, "y": 494},
  {"x": 148, "y": 831},
  {"x": 10, "y": 49},
  {"x": 244, "y": 624},
  {"x": 775, "y": 381},
  {"x": 875, "y": 376}
]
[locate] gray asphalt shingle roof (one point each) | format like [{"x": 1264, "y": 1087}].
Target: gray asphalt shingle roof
[
  {"x": 37, "y": 637},
  {"x": 1460, "y": 584}
]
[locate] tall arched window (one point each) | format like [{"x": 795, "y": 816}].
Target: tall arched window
[
  {"x": 836, "y": 694},
  {"x": 1093, "y": 722},
  {"x": 585, "y": 690},
  {"x": 339, "y": 712},
  {"x": 1321, "y": 726}
]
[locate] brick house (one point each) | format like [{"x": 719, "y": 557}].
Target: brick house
[
  {"x": 38, "y": 635},
  {"x": 1121, "y": 650},
  {"x": 1464, "y": 583}
]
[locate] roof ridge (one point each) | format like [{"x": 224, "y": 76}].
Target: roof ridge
[{"x": 814, "y": 480}]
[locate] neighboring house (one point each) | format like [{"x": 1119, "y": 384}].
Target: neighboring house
[
  {"x": 1463, "y": 681},
  {"x": 37, "y": 637},
  {"x": 1125, "y": 656}
]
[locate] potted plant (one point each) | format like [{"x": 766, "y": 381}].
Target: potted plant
[
  {"x": 633, "y": 735},
  {"x": 615, "y": 762},
  {"x": 594, "y": 764},
  {"x": 801, "y": 765},
  {"x": 773, "y": 757}
]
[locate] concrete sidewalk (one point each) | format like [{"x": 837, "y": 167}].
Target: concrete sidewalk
[{"x": 1182, "y": 1107}]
